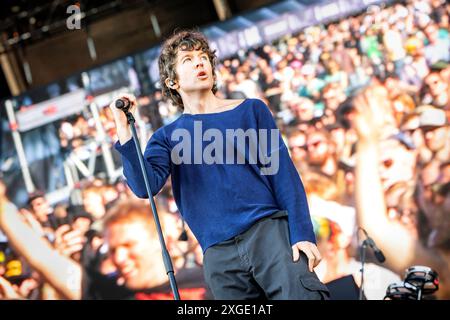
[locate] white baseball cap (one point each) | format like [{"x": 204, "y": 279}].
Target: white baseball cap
[{"x": 430, "y": 116}]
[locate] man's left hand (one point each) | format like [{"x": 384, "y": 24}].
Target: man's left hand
[{"x": 311, "y": 251}]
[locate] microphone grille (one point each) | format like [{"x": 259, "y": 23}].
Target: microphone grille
[{"x": 120, "y": 104}]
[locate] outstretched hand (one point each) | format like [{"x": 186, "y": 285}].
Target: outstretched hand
[{"x": 373, "y": 110}]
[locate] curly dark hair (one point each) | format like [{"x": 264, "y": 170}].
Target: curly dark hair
[{"x": 185, "y": 40}]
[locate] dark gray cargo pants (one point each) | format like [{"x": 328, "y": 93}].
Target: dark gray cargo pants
[{"x": 257, "y": 264}]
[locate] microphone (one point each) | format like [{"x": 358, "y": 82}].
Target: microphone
[
  {"x": 378, "y": 253},
  {"x": 123, "y": 104}
]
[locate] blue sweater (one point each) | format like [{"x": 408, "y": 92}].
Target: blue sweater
[{"x": 220, "y": 201}]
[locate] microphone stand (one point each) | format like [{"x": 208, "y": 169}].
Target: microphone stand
[
  {"x": 165, "y": 253},
  {"x": 363, "y": 258}
]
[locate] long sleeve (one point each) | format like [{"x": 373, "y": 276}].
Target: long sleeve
[
  {"x": 156, "y": 160},
  {"x": 222, "y": 200},
  {"x": 285, "y": 182}
]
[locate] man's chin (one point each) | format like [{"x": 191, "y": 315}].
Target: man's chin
[{"x": 199, "y": 87}]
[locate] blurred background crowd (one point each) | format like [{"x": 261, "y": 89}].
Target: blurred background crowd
[{"x": 363, "y": 105}]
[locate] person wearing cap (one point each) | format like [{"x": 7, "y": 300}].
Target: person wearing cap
[
  {"x": 435, "y": 129},
  {"x": 437, "y": 90}
]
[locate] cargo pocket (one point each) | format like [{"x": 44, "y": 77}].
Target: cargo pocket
[{"x": 314, "y": 289}]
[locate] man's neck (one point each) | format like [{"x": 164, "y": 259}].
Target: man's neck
[{"x": 199, "y": 102}]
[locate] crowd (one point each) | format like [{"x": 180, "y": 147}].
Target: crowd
[{"x": 363, "y": 105}]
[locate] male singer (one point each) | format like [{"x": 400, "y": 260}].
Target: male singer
[{"x": 232, "y": 178}]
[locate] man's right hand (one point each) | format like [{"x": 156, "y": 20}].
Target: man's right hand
[{"x": 123, "y": 131}]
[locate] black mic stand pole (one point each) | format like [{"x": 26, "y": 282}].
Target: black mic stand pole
[
  {"x": 363, "y": 258},
  {"x": 165, "y": 254}
]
